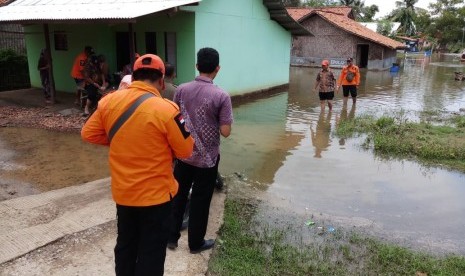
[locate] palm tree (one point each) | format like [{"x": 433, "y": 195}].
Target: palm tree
[
  {"x": 356, "y": 5},
  {"x": 405, "y": 14}
]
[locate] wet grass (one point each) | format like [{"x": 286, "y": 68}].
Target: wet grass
[
  {"x": 245, "y": 247},
  {"x": 434, "y": 144}
]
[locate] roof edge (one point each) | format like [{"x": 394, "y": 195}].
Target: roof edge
[{"x": 279, "y": 14}]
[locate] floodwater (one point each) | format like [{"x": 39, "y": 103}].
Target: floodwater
[{"x": 285, "y": 147}]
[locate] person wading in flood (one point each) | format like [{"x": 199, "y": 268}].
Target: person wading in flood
[
  {"x": 326, "y": 82},
  {"x": 350, "y": 80}
]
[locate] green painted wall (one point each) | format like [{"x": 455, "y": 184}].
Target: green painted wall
[
  {"x": 103, "y": 36},
  {"x": 254, "y": 50}
]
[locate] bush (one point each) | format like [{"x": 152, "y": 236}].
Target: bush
[{"x": 14, "y": 71}]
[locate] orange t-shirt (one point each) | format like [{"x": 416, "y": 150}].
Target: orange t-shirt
[
  {"x": 78, "y": 66},
  {"x": 142, "y": 151}
]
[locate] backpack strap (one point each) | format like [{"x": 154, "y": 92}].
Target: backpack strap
[{"x": 125, "y": 116}]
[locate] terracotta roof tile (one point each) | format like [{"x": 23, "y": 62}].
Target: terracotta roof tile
[
  {"x": 300, "y": 14},
  {"x": 340, "y": 17},
  {"x": 358, "y": 29}
]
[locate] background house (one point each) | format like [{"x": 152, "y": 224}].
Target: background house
[
  {"x": 336, "y": 37},
  {"x": 252, "y": 36}
]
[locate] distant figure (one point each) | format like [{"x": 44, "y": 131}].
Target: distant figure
[
  {"x": 126, "y": 75},
  {"x": 170, "y": 88},
  {"x": 127, "y": 69},
  {"x": 78, "y": 69},
  {"x": 326, "y": 83},
  {"x": 125, "y": 82},
  {"x": 95, "y": 83},
  {"x": 44, "y": 67},
  {"x": 350, "y": 80}
]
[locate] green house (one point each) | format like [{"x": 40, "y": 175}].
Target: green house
[{"x": 253, "y": 37}]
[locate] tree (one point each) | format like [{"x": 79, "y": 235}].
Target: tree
[
  {"x": 405, "y": 14},
  {"x": 448, "y": 23},
  {"x": 384, "y": 27},
  {"x": 368, "y": 13}
]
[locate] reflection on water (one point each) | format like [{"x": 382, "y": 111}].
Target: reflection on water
[
  {"x": 286, "y": 142},
  {"x": 320, "y": 137}
]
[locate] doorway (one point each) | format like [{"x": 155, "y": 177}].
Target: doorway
[
  {"x": 122, "y": 49},
  {"x": 362, "y": 54}
]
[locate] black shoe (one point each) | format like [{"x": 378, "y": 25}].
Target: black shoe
[
  {"x": 206, "y": 245},
  {"x": 219, "y": 184},
  {"x": 172, "y": 245}
]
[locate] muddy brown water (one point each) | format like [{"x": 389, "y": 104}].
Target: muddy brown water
[{"x": 285, "y": 147}]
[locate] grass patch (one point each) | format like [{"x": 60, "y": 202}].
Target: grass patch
[
  {"x": 247, "y": 248},
  {"x": 395, "y": 136}
]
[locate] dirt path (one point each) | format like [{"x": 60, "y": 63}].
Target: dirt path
[{"x": 72, "y": 231}]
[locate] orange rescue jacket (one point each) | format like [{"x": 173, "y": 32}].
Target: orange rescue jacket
[
  {"x": 142, "y": 151},
  {"x": 342, "y": 78}
]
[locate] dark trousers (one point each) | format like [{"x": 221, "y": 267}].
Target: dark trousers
[
  {"x": 202, "y": 182},
  {"x": 142, "y": 237}
]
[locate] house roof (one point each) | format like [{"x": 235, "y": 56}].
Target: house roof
[
  {"x": 338, "y": 17},
  {"x": 355, "y": 28},
  {"x": 279, "y": 13},
  {"x": 300, "y": 13},
  {"x": 50, "y": 10}
]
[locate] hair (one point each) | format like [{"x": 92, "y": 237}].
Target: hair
[
  {"x": 207, "y": 60},
  {"x": 146, "y": 74},
  {"x": 101, "y": 58},
  {"x": 169, "y": 70},
  {"x": 89, "y": 50}
]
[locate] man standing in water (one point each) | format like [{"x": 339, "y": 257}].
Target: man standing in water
[
  {"x": 350, "y": 80},
  {"x": 326, "y": 82},
  {"x": 145, "y": 133},
  {"x": 207, "y": 110}
]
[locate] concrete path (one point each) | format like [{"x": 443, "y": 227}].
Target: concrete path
[{"x": 72, "y": 231}]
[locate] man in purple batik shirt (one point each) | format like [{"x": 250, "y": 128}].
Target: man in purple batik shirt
[{"x": 207, "y": 111}]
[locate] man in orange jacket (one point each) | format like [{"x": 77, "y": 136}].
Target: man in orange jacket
[
  {"x": 145, "y": 133},
  {"x": 350, "y": 80},
  {"x": 78, "y": 69}
]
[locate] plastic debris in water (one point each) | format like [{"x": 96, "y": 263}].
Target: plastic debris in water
[
  {"x": 331, "y": 229},
  {"x": 310, "y": 223}
]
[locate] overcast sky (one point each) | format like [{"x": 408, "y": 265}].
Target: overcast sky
[{"x": 386, "y": 6}]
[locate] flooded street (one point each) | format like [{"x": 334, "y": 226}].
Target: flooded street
[
  {"x": 287, "y": 149},
  {"x": 36, "y": 160},
  {"x": 286, "y": 146}
]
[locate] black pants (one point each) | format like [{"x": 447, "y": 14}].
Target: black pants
[
  {"x": 202, "y": 181},
  {"x": 142, "y": 237}
]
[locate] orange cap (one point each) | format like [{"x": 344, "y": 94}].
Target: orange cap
[
  {"x": 325, "y": 62},
  {"x": 151, "y": 62}
]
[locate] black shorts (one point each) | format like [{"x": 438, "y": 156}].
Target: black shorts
[
  {"x": 326, "y": 95},
  {"x": 349, "y": 88}
]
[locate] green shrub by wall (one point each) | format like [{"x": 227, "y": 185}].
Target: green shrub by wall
[{"x": 14, "y": 72}]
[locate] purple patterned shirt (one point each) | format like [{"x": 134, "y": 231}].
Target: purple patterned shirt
[{"x": 204, "y": 107}]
